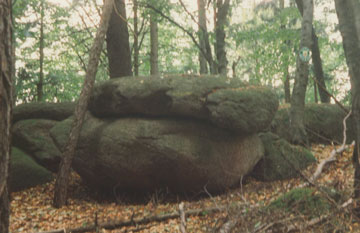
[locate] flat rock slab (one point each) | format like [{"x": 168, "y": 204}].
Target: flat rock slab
[
  {"x": 43, "y": 110},
  {"x": 226, "y": 103},
  {"x": 143, "y": 155}
]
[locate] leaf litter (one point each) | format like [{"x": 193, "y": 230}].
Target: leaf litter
[{"x": 32, "y": 211}]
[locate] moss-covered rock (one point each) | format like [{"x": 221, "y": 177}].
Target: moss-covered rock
[
  {"x": 280, "y": 159},
  {"x": 142, "y": 155},
  {"x": 227, "y": 103},
  {"x": 25, "y": 172},
  {"x": 323, "y": 123},
  {"x": 43, "y": 110},
  {"x": 306, "y": 201},
  {"x": 33, "y": 137}
]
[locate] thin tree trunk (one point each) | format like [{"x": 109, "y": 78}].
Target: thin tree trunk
[
  {"x": 40, "y": 84},
  {"x": 297, "y": 127},
  {"x": 202, "y": 33},
  {"x": 62, "y": 179},
  {"x": 316, "y": 59},
  {"x": 220, "y": 23},
  {"x": 136, "y": 38},
  {"x": 351, "y": 42},
  {"x": 154, "y": 41},
  {"x": 286, "y": 70},
  {"x": 356, "y": 6},
  {"x": 315, "y": 92},
  {"x": 117, "y": 41},
  {"x": 6, "y": 96},
  {"x": 287, "y": 87}
]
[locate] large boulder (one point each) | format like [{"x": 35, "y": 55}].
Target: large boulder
[
  {"x": 25, "y": 172},
  {"x": 281, "y": 159},
  {"x": 323, "y": 123},
  {"x": 43, "y": 110},
  {"x": 142, "y": 155},
  {"x": 33, "y": 137},
  {"x": 227, "y": 103}
]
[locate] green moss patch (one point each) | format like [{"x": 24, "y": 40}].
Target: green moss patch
[
  {"x": 25, "y": 172},
  {"x": 306, "y": 201}
]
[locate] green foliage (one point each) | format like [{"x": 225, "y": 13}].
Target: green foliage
[
  {"x": 306, "y": 201},
  {"x": 266, "y": 44}
]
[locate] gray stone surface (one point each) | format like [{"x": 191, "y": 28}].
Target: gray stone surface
[
  {"x": 142, "y": 155},
  {"x": 227, "y": 103},
  {"x": 33, "y": 137}
]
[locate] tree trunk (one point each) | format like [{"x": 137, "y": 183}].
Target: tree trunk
[
  {"x": 5, "y": 109},
  {"x": 221, "y": 20},
  {"x": 117, "y": 41},
  {"x": 316, "y": 59},
  {"x": 154, "y": 63},
  {"x": 315, "y": 92},
  {"x": 202, "y": 33},
  {"x": 286, "y": 69},
  {"x": 356, "y": 6},
  {"x": 62, "y": 179},
  {"x": 297, "y": 127},
  {"x": 40, "y": 84},
  {"x": 287, "y": 87},
  {"x": 351, "y": 42},
  {"x": 136, "y": 39}
]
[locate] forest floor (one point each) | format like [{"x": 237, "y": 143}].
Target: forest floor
[{"x": 242, "y": 207}]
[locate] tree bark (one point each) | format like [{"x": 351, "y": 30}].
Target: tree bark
[
  {"x": 297, "y": 127},
  {"x": 317, "y": 62},
  {"x": 154, "y": 44},
  {"x": 315, "y": 92},
  {"x": 202, "y": 29},
  {"x": 40, "y": 84},
  {"x": 286, "y": 69},
  {"x": 222, "y": 9},
  {"x": 136, "y": 39},
  {"x": 62, "y": 179},
  {"x": 117, "y": 41},
  {"x": 351, "y": 42},
  {"x": 287, "y": 86},
  {"x": 6, "y": 96}
]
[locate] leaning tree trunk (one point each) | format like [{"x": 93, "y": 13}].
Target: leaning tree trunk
[
  {"x": 5, "y": 108},
  {"x": 297, "y": 127},
  {"x": 202, "y": 29},
  {"x": 117, "y": 41},
  {"x": 222, "y": 10},
  {"x": 316, "y": 59},
  {"x": 154, "y": 46},
  {"x": 347, "y": 13},
  {"x": 62, "y": 179}
]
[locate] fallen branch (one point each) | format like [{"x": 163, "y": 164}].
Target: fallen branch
[
  {"x": 333, "y": 153},
  {"x": 140, "y": 221}
]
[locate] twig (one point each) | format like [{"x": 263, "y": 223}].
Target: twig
[
  {"x": 333, "y": 153},
  {"x": 229, "y": 225},
  {"x": 182, "y": 218}
]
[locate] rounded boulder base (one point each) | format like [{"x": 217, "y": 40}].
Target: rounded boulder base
[{"x": 142, "y": 155}]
